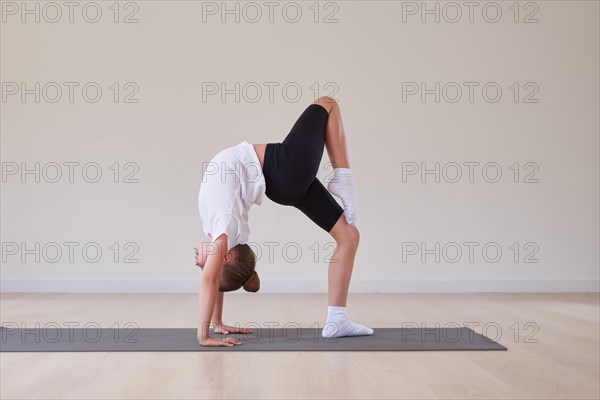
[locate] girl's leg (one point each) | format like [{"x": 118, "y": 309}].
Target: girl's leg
[
  {"x": 335, "y": 136},
  {"x": 322, "y": 208},
  {"x": 340, "y": 271},
  {"x": 347, "y": 238},
  {"x": 342, "y": 182}
]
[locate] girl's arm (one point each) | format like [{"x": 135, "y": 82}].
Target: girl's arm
[
  {"x": 209, "y": 287},
  {"x": 217, "y": 316}
]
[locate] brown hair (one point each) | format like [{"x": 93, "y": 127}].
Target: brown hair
[{"x": 240, "y": 271}]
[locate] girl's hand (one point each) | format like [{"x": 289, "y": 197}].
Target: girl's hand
[
  {"x": 202, "y": 250},
  {"x": 199, "y": 259},
  {"x": 225, "y": 329},
  {"x": 215, "y": 342}
]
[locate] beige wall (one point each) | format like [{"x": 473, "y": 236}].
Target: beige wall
[{"x": 166, "y": 122}]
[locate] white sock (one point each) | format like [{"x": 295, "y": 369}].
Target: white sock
[
  {"x": 342, "y": 185},
  {"x": 339, "y": 325}
]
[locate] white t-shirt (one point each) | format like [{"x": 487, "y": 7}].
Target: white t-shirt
[{"x": 232, "y": 182}]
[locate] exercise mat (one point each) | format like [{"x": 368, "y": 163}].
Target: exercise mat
[{"x": 262, "y": 339}]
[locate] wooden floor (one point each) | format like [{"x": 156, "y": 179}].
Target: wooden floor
[{"x": 552, "y": 339}]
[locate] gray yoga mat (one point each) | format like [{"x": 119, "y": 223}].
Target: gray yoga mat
[{"x": 263, "y": 339}]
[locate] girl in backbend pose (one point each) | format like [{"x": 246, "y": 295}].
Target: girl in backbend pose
[{"x": 286, "y": 173}]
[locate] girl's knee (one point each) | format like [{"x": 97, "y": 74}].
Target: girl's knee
[
  {"x": 350, "y": 236},
  {"x": 329, "y": 103}
]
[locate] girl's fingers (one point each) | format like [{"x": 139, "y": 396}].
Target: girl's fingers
[
  {"x": 231, "y": 329},
  {"x": 240, "y": 330}
]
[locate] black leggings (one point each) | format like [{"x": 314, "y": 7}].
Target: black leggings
[{"x": 290, "y": 169}]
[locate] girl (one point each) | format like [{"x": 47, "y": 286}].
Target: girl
[{"x": 285, "y": 172}]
